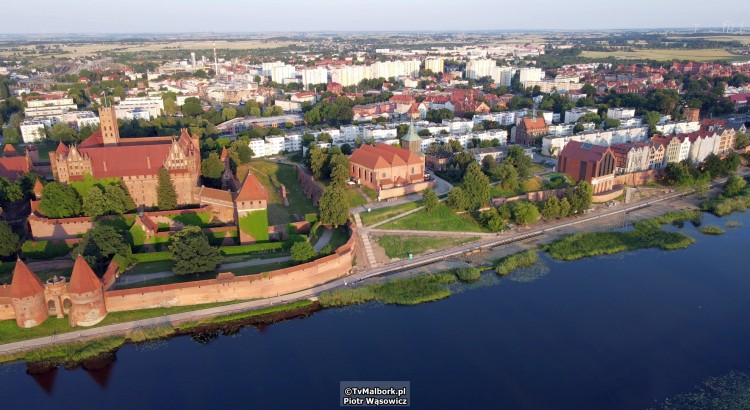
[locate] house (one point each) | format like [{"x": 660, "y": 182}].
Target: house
[
  {"x": 13, "y": 165},
  {"x": 594, "y": 164},
  {"x": 529, "y": 129},
  {"x": 677, "y": 149},
  {"x": 384, "y": 166}
]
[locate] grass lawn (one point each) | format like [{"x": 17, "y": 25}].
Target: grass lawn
[
  {"x": 150, "y": 267},
  {"x": 381, "y": 214},
  {"x": 536, "y": 168},
  {"x": 255, "y": 224},
  {"x": 532, "y": 184},
  {"x": 370, "y": 193},
  {"x": 254, "y": 270},
  {"x": 272, "y": 175},
  {"x": 10, "y": 332},
  {"x": 528, "y": 185},
  {"x": 88, "y": 182},
  {"x": 355, "y": 198},
  {"x": 708, "y": 54},
  {"x": 201, "y": 219},
  {"x": 397, "y": 246},
  {"x": 442, "y": 219}
]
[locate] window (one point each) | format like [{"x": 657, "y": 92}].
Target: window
[{"x": 383, "y": 174}]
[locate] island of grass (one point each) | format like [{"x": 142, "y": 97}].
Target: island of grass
[
  {"x": 647, "y": 234},
  {"x": 508, "y": 264},
  {"x": 397, "y": 246},
  {"x": 711, "y": 230},
  {"x": 411, "y": 291},
  {"x": 441, "y": 219}
]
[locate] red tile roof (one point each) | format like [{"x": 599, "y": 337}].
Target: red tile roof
[
  {"x": 25, "y": 283},
  {"x": 13, "y": 167},
  {"x": 83, "y": 279},
  {"x": 9, "y": 151},
  {"x": 584, "y": 152},
  {"x": 252, "y": 189}
]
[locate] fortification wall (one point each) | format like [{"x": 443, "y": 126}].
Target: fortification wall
[
  {"x": 639, "y": 178},
  {"x": 404, "y": 190},
  {"x": 58, "y": 229},
  {"x": 228, "y": 288}
]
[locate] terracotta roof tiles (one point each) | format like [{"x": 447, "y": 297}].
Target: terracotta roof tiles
[
  {"x": 83, "y": 279},
  {"x": 25, "y": 283},
  {"x": 251, "y": 189}
]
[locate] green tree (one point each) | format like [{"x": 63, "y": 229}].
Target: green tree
[
  {"x": 580, "y": 197},
  {"x": 476, "y": 186},
  {"x": 192, "y": 253},
  {"x": 741, "y": 140},
  {"x": 192, "y": 107},
  {"x": 430, "y": 200},
  {"x": 212, "y": 167},
  {"x": 10, "y": 192},
  {"x": 520, "y": 160},
  {"x": 334, "y": 205},
  {"x": 302, "y": 252},
  {"x": 317, "y": 161},
  {"x": 63, "y": 132},
  {"x": 734, "y": 186},
  {"x": 102, "y": 244},
  {"x": 60, "y": 201},
  {"x": 339, "y": 165},
  {"x": 611, "y": 123},
  {"x": 118, "y": 199},
  {"x": 12, "y": 136},
  {"x": 508, "y": 176},
  {"x": 457, "y": 199},
  {"x": 525, "y": 213},
  {"x": 8, "y": 240},
  {"x": 94, "y": 202},
  {"x": 228, "y": 113},
  {"x": 564, "y": 208},
  {"x": 550, "y": 208},
  {"x": 166, "y": 196}
]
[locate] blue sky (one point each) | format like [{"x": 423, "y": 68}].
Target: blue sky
[{"x": 129, "y": 16}]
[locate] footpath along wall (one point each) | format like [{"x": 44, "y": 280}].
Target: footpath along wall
[{"x": 227, "y": 287}]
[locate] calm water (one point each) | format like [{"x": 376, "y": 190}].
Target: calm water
[{"x": 614, "y": 332}]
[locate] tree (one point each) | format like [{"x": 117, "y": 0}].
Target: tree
[
  {"x": 60, "y": 201},
  {"x": 550, "y": 208},
  {"x": 192, "y": 107},
  {"x": 94, "y": 202},
  {"x": 346, "y": 149},
  {"x": 578, "y": 128},
  {"x": 102, "y": 244},
  {"x": 457, "y": 199},
  {"x": 476, "y": 186},
  {"x": 118, "y": 200},
  {"x": 508, "y": 176},
  {"x": 302, "y": 252},
  {"x": 580, "y": 197},
  {"x": 192, "y": 253},
  {"x": 317, "y": 161},
  {"x": 339, "y": 166},
  {"x": 10, "y": 192},
  {"x": 430, "y": 200},
  {"x": 8, "y": 240},
  {"x": 734, "y": 186},
  {"x": 564, "y": 207},
  {"x": 212, "y": 167},
  {"x": 741, "y": 140},
  {"x": 518, "y": 158},
  {"x": 525, "y": 213},
  {"x": 63, "y": 132},
  {"x": 166, "y": 196},
  {"x": 228, "y": 113},
  {"x": 334, "y": 205},
  {"x": 611, "y": 123},
  {"x": 12, "y": 136}
]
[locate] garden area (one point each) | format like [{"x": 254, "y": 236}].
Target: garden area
[
  {"x": 272, "y": 175},
  {"x": 441, "y": 219},
  {"x": 381, "y": 214}
]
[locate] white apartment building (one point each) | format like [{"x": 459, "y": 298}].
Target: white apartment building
[
  {"x": 682, "y": 127},
  {"x": 563, "y": 130},
  {"x": 289, "y": 106},
  {"x": 80, "y": 119},
  {"x": 379, "y": 132},
  {"x": 458, "y": 125},
  {"x": 433, "y": 128},
  {"x": 502, "y": 75},
  {"x": 350, "y": 75},
  {"x": 476, "y": 69},
  {"x": 265, "y": 68},
  {"x": 621, "y": 113},
  {"x": 293, "y": 142},
  {"x": 312, "y": 76},
  {"x": 140, "y": 107},
  {"x": 574, "y": 114},
  {"x": 552, "y": 145},
  {"x": 32, "y": 131},
  {"x": 530, "y": 74},
  {"x": 436, "y": 65},
  {"x": 67, "y": 104},
  {"x": 282, "y": 72}
]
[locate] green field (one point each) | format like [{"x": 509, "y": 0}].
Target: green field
[
  {"x": 709, "y": 54},
  {"x": 397, "y": 246},
  {"x": 381, "y": 214},
  {"x": 442, "y": 219},
  {"x": 272, "y": 175}
]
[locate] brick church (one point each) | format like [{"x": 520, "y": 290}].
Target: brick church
[{"x": 134, "y": 160}]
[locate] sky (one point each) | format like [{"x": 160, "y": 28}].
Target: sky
[{"x": 183, "y": 16}]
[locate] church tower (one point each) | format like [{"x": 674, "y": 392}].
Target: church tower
[
  {"x": 412, "y": 141},
  {"x": 108, "y": 126}
]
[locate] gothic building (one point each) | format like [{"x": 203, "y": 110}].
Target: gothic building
[{"x": 134, "y": 160}]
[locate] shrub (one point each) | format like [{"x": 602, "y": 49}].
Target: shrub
[
  {"x": 711, "y": 230},
  {"x": 410, "y": 291},
  {"x": 519, "y": 260},
  {"x": 468, "y": 275}
]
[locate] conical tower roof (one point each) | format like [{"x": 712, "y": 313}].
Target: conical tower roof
[
  {"x": 83, "y": 279},
  {"x": 25, "y": 283},
  {"x": 411, "y": 135}
]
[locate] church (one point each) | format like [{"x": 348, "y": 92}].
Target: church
[{"x": 134, "y": 160}]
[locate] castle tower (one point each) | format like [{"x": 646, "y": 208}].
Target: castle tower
[
  {"x": 86, "y": 295},
  {"x": 108, "y": 126},
  {"x": 27, "y": 297},
  {"x": 412, "y": 141}
]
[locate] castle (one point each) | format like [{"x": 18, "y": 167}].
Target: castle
[{"x": 134, "y": 160}]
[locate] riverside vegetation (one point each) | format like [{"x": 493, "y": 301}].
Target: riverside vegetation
[{"x": 519, "y": 260}]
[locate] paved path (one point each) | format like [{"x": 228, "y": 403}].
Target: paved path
[
  {"x": 398, "y": 266},
  {"x": 432, "y": 233},
  {"x": 371, "y": 261},
  {"x": 323, "y": 240}
]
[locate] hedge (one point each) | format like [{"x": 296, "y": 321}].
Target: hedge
[
  {"x": 252, "y": 248},
  {"x": 46, "y": 249},
  {"x": 151, "y": 257},
  {"x": 311, "y": 217}
]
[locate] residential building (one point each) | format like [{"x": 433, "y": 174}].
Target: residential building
[
  {"x": 502, "y": 76},
  {"x": 552, "y": 145},
  {"x": 574, "y": 114},
  {"x": 692, "y": 114},
  {"x": 140, "y": 108},
  {"x": 13, "y": 165},
  {"x": 33, "y": 131},
  {"x": 621, "y": 113},
  {"x": 313, "y": 76},
  {"x": 677, "y": 149},
  {"x": 476, "y": 69},
  {"x": 436, "y": 65},
  {"x": 282, "y": 72},
  {"x": 530, "y": 74},
  {"x": 631, "y": 157},
  {"x": 594, "y": 164}
]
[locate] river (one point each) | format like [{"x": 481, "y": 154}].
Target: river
[{"x": 616, "y": 332}]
